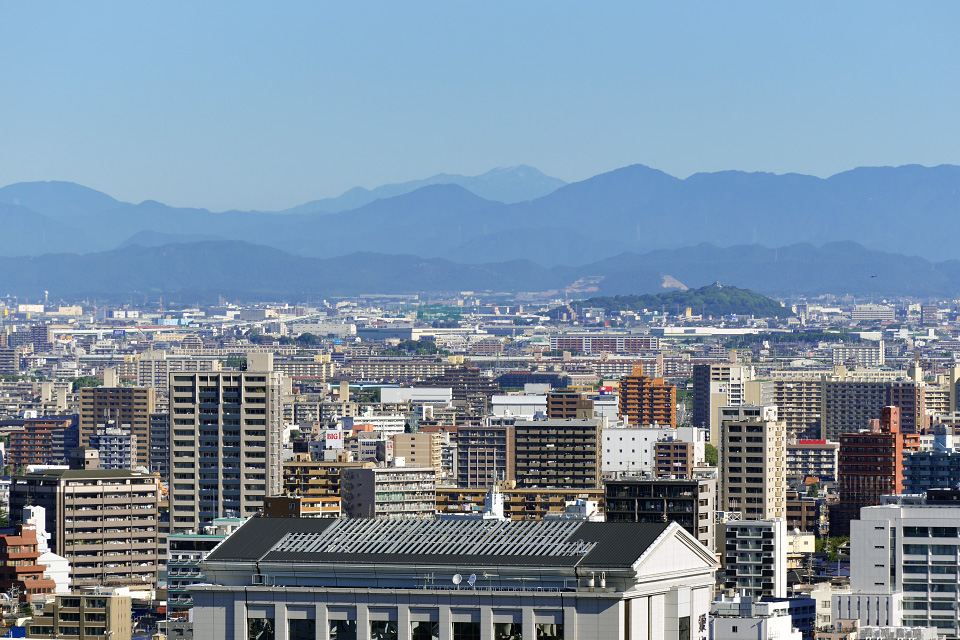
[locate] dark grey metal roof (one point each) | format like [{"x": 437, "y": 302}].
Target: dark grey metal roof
[{"x": 439, "y": 542}]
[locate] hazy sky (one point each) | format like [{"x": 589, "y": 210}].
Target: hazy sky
[{"x": 267, "y": 105}]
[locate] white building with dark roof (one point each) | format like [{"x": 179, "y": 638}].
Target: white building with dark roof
[{"x": 455, "y": 580}]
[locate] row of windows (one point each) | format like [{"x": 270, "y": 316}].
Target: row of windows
[{"x": 264, "y": 629}]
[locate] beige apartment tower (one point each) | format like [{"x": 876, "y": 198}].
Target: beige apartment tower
[
  {"x": 419, "y": 450},
  {"x": 753, "y": 461},
  {"x": 225, "y": 445}
]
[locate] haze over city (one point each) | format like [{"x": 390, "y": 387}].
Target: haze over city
[{"x": 479, "y": 321}]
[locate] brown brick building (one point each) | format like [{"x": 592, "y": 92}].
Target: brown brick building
[
  {"x": 123, "y": 406},
  {"x": 645, "y": 400},
  {"x": 871, "y": 465}
]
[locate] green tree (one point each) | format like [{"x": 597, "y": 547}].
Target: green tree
[
  {"x": 813, "y": 490},
  {"x": 710, "y": 453},
  {"x": 86, "y": 381},
  {"x": 4, "y": 518}
]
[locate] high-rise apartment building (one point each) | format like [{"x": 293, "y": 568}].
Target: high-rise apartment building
[
  {"x": 870, "y": 466},
  {"x": 390, "y": 493},
  {"x": 646, "y": 400},
  {"x": 753, "y": 453},
  {"x": 718, "y": 385},
  {"x": 121, "y": 406},
  {"x": 558, "y": 453},
  {"x": 225, "y": 430},
  {"x": 486, "y": 454},
  {"x": 154, "y": 368},
  {"x": 34, "y": 444},
  {"x": 755, "y": 557},
  {"x": 799, "y": 399},
  {"x": 105, "y": 522}
]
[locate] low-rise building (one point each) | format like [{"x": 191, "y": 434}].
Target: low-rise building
[
  {"x": 465, "y": 578},
  {"x": 84, "y": 617}
]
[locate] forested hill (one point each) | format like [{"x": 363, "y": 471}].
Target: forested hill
[{"x": 713, "y": 300}]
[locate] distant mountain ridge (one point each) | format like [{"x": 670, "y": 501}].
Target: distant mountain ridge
[
  {"x": 907, "y": 210},
  {"x": 239, "y": 270},
  {"x": 507, "y": 185}
]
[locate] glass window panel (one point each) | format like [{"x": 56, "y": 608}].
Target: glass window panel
[
  {"x": 507, "y": 631},
  {"x": 425, "y": 630},
  {"x": 343, "y": 630},
  {"x": 260, "y": 629}
]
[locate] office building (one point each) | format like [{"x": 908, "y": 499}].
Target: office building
[
  {"x": 691, "y": 503},
  {"x": 873, "y": 313},
  {"x": 558, "y": 453},
  {"x": 394, "y": 493},
  {"x": 122, "y": 406},
  {"x": 105, "y": 522},
  {"x": 929, "y": 314},
  {"x": 755, "y": 557},
  {"x": 487, "y": 579},
  {"x": 224, "y": 445},
  {"x": 752, "y": 460},
  {"x": 84, "y": 617},
  {"x": 647, "y": 401},
  {"x": 903, "y": 564},
  {"x": 870, "y": 466}
]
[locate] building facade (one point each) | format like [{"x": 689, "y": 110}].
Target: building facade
[
  {"x": 456, "y": 579},
  {"x": 752, "y": 456},
  {"x": 225, "y": 430},
  {"x": 558, "y": 453}
]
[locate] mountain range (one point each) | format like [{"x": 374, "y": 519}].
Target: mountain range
[
  {"x": 907, "y": 209},
  {"x": 627, "y": 231},
  {"x": 241, "y": 271}
]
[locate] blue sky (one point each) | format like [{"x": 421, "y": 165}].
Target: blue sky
[{"x": 267, "y": 105}]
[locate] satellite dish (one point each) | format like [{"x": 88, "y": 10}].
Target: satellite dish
[
  {"x": 472, "y": 579},
  {"x": 457, "y": 578}
]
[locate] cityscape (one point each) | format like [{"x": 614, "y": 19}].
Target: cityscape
[{"x": 450, "y": 321}]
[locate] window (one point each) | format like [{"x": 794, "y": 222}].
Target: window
[
  {"x": 260, "y": 629},
  {"x": 684, "y": 628},
  {"x": 550, "y": 631},
  {"x": 383, "y": 630},
  {"x": 424, "y": 631},
  {"x": 343, "y": 630},
  {"x": 301, "y": 629},
  {"x": 466, "y": 631},
  {"x": 507, "y": 631}
]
